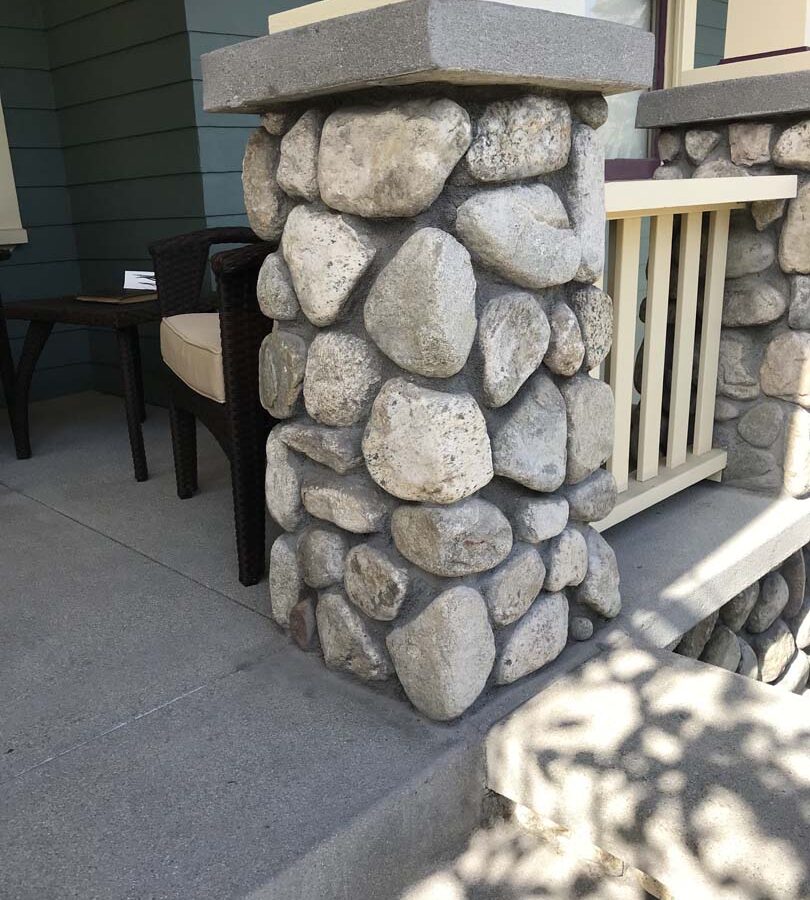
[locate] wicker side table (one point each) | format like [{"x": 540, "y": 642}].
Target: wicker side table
[{"x": 124, "y": 319}]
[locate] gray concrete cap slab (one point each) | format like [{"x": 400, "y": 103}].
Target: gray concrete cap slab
[
  {"x": 427, "y": 41},
  {"x": 762, "y": 96}
]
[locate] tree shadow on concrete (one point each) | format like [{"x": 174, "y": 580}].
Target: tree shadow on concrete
[{"x": 695, "y": 776}]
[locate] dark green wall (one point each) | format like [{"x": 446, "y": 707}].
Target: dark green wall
[
  {"x": 111, "y": 150},
  {"x": 48, "y": 264},
  {"x": 710, "y": 37}
]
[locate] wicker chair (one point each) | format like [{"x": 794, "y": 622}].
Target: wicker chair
[
  {"x": 6, "y": 366},
  {"x": 230, "y": 409}
]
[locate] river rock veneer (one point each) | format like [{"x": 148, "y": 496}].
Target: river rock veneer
[
  {"x": 440, "y": 462},
  {"x": 762, "y": 415},
  {"x": 764, "y": 632}
]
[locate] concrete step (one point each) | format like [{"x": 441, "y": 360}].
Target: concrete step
[
  {"x": 695, "y": 776},
  {"x": 519, "y": 856}
]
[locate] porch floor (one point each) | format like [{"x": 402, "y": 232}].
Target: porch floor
[{"x": 159, "y": 738}]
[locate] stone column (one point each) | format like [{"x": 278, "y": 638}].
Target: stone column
[
  {"x": 440, "y": 457},
  {"x": 763, "y": 389}
]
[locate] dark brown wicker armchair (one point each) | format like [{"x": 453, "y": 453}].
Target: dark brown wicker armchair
[
  {"x": 211, "y": 350},
  {"x": 6, "y": 365}
]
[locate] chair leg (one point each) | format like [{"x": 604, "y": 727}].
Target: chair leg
[
  {"x": 248, "y": 512},
  {"x": 127, "y": 343},
  {"x": 184, "y": 450},
  {"x": 35, "y": 338}
]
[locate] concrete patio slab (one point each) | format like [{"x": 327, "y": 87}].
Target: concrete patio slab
[
  {"x": 95, "y": 634},
  {"x": 81, "y": 467}
]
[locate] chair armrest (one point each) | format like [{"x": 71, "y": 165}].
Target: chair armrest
[{"x": 180, "y": 264}]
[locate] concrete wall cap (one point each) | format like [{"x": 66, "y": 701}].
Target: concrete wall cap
[{"x": 462, "y": 42}]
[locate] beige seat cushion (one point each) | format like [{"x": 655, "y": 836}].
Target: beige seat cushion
[{"x": 191, "y": 347}]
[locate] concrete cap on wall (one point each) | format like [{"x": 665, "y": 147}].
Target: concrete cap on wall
[
  {"x": 461, "y": 42},
  {"x": 760, "y": 96}
]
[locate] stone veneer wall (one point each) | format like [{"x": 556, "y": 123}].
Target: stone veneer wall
[
  {"x": 435, "y": 320},
  {"x": 763, "y": 632},
  {"x": 763, "y": 404}
]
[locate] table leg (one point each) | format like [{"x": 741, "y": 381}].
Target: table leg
[
  {"x": 35, "y": 338},
  {"x": 6, "y": 363},
  {"x": 127, "y": 343},
  {"x": 136, "y": 345}
]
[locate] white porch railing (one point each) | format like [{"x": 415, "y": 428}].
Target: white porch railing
[{"x": 689, "y": 456}]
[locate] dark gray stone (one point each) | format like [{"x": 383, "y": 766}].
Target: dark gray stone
[
  {"x": 699, "y": 143},
  {"x": 799, "y": 312},
  {"x": 736, "y": 611},
  {"x": 375, "y": 582},
  {"x": 738, "y": 366},
  {"x": 338, "y": 448},
  {"x": 352, "y": 502},
  {"x": 585, "y": 201},
  {"x": 536, "y": 519},
  {"x": 593, "y": 498},
  {"x": 286, "y": 584},
  {"x": 275, "y": 290},
  {"x": 670, "y": 146},
  {"x": 282, "y": 363},
  {"x": 720, "y": 168},
  {"x": 773, "y": 598},
  {"x": 766, "y": 212},
  {"x": 580, "y": 628},
  {"x": 566, "y": 558},
  {"x": 761, "y": 425},
  {"x": 589, "y": 413},
  {"x": 510, "y": 589},
  {"x": 599, "y": 590},
  {"x": 266, "y": 204},
  {"x": 775, "y": 648},
  {"x": 513, "y": 336},
  {"x": 693, "y": 642},
  {"x": 534, "y": 640},
  {"x": 754, "y": 300},
  {"x": 749, "y": 251},
  {"x": 529, "y": 441},
  {"x": 591, "y": 109},
  {"x": 566, "y": 348},
  {"x": 282, "y": 484},
  {"x": 321, "y": 555},
  {"x": 428, "y": 41},
  {"x": 749, "y": 664},
  {"x": 795, "y": 575},
  {"x": 342, "y": 376},
  {"x": 722, "y": 649},
  {"x": 349, "y": 641},
  {"x": 594, "y": 311}
]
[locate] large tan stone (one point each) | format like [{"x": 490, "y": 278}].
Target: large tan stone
[
  {"x": 794, "y": 242},
  {"x": 393, "y": 160},
  {"x": 266, "y": 204},
  {"x": 427, "y": 445}
]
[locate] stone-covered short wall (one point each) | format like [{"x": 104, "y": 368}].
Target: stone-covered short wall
[
  {"x": 763, "y": 389},
  {"x": 763, "y": 632},
  {"x": 442, "y": 450}
]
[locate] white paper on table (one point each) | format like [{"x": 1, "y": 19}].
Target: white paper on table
[{"x": 139, "y": 281}]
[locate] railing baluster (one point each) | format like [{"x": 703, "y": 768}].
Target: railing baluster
[
  {"x": 684, "y": 345},
  {"x": 625, "y": 307},
  {"x": 710, "y": 332},
  {"x": 655, "y": 339}
]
